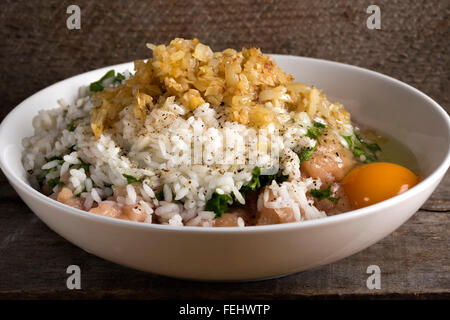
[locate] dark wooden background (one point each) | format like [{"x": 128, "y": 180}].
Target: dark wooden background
[{"x": 36, "y": 50}]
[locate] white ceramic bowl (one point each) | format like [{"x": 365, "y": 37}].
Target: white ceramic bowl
[{"x": 254, "y": 252}]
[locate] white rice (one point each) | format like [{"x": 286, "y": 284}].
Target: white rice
[{"x": 160, "y": 156}]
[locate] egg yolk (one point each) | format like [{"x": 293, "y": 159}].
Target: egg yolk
[{"x": 375, "y": 182}]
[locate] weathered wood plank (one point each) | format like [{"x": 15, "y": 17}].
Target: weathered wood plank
[
  {"x": 414, "y": 261},
  {"x": 37, "y": 50},
  {"x": 440, "y": 199},
  {"x": 410, "y": 46}
]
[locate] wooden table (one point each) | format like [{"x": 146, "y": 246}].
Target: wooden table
[{"x": 37, "y": 50}]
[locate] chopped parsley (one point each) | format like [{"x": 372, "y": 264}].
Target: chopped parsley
[
  {"x": 79, "y": 194},
  {"x": 371, "y": 146},
  {"x": 258, "y": 181},
  {"x": 55, "y": 181},
  {"x": 278, "y": 177},
  {"x": 218, "y": 204},
  {"x": 349, "y": 141},
  {"x": 97, "y": 85},
  {"x": 119, "y": 78},
  {"x": 358, "y": 151},
  {"x": 54, "y": 168},
  {"x": 321, "y": 194},
  {"x": 160, "y": 196},
  {"x": 305, "y": 154},
  {"x": 53, "y": 158},
  {"x": 319, "y": 125},
  {"x": 72, "y": 127},
  {"x": 360, "y": 147},
  {"x": 316, "y": 130},
  {"x": 73, "y": 148},
  {"x": 130, "y": 179},
  {"x": 85, "y": 166},
  {"x": 254, "y": 183}
]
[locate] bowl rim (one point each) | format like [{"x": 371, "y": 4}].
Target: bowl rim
[{"x": 423, "y": 185}]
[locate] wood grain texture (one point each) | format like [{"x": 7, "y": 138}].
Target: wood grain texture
[
  {"x": 440, "y": 199},
  {"x": 414, "y": 261},
  {"x": 37, "y": 50}
]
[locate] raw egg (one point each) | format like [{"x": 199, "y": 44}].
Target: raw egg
[{"x": 375, "y": 182}]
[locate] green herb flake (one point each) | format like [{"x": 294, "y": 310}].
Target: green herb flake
[
  {"x": 358, "y": 152},
  {"x": 54, "y": 168},
  {"x": 372, "y": 147},
  {"x": 218, "y": 204},
  {"x": 160, "y": 196},
  {"x": 79, "y": 194},
  {"x": 319, "y": 125},
  {"x": 360, "y": 147},
  {"x": 258, "y": 181},
  {"x": 313, "y": 133},
  {"x": 358, "y": 137},
  {"x": 255, "y": 183},
  {"x": 305, "y": 154},
  {"x": 316, "y": 130},
  {"x": 119, "y": 78},
  {"x": 97, "y": 85},
  {"x": 85, "y": 166},
  {"x": 278, "y": 177},
  {"x": 130, "y": 179},
  {"x": 349, "y": 141},
  {"x": 72, "y": 127},
  {"x": 53, "y": 182},
  {"x": 53, "y": 158},
  {"x": 321, "y": 194}
]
